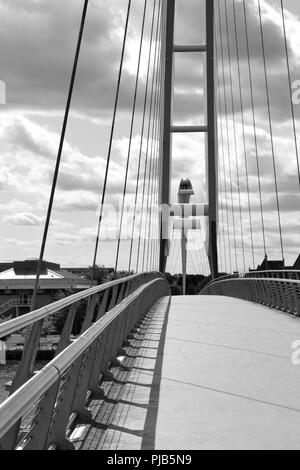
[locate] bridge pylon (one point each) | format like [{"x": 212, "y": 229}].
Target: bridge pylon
[{"x": 210, "y": 129}]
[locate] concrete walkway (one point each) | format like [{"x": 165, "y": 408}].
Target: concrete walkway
[{"x": 208, "y": 373}]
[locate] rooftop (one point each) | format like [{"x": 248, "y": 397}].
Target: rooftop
[{"x": 21, "y": 274}]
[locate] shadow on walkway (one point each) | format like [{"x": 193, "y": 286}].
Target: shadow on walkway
[
  {"x": 126, "y": 419},
  {"x": 148, "y": 442}
]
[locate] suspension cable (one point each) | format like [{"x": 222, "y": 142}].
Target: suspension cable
[
  {"x": 157, "y": 122},
  {"x": 111, "y": 142},
  {"x": 243, "y": 132},
  {"x": 270, "y": 128},
  {"x": 59, "y": 155},
  {"x": 148, "y": 141},
  {"x": 142, "y": 135},
  {"x": 254, "y": 128},
  {"x": 227, "y": 133},
  {"x": 131, "y": 133},
  {"x": 221, "y": 189},
  {"x": 152, "y": 159},
  {"x": 225, "y": 205},
  {"x": 235, "y": 135},
  {"x": 154, "y": 200},
  {"x": 290, "y": 89}
]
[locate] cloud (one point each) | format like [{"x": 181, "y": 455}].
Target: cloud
[
  {"x": 37, "y": 44},
  {"x": 76, "y": 202},
  {"x": 275, "y": 58},
  {"x": 26, "y": 219},
  {"x": 28, "y": 158},
  {"x": 15, "y": 205},
  {"x": 37, "y": 47},
  {"x": 65, "y": 239}
]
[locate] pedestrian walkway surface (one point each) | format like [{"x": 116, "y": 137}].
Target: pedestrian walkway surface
[{"x": 203, "y": 372}]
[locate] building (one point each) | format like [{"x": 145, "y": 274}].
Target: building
[
  {"x": 5, "y": 266},
  {"x": 271, "y": 265},
  {"x": 277, "y": 265},
  {"x": 297, "y": 263},
  {"x": 17, "y": 283}
]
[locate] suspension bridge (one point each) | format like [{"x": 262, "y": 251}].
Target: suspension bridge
[{"x": 152, "y": 371}]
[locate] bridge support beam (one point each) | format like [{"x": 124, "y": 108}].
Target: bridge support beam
[
  {"x": 210, "y": 129},
  {"x": 211, "y": 151},
  {"x": 166, "y": 156}
]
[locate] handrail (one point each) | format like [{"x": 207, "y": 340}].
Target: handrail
[
  {"x": 279, "y": 273},
  {"x": 80, "y": 364},
  {"x": 269, "y": 279},
  {"x": 26, "y": 396},
  {"x": 252, "y": 274},
  {"x": 279, "y": 293},
  {"x": 28, "y": 319},
  {"x": 275, "y": 271},
  {"x": 226, "y": 276},
  {"x": 16, "y": 302}
]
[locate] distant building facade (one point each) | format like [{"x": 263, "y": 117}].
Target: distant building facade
[
  {"x": 271, "y": 265},
  {"x": 297, "y": 263},
  {"x": 17, "y": 283},
  {"x": 276, "y": 265}
]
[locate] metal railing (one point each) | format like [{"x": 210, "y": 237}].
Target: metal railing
[
  {"x": 40, "y": 413},
  {"x": 279, "y": 293},
  {"x": 15, "y": 302},
  {"x": 279, "y": 274}
]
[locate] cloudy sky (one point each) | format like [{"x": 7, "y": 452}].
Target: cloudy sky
[{"x": 37, "y": 42}]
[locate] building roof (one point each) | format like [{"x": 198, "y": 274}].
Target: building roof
[
  {"x": 271, "y": 265},
  {"x": 22, "y": 274},
  {"x": 12, "y": 274},
  {"x": 5, "y": 266}
]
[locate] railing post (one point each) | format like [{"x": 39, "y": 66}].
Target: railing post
[
  {"x": 126, "y": 293},
  {"x": 121, "y": 294},
  {"x": 28, "y": 356},
  {"x": 89, "y": 313},
  {"x": 22, "y": 375},
  {"x": 39, "y": 433},
  {"x": 65, "y": 337},
  {"x": 113, "y": 298},
  {"x": 117, "y": 327},
  {"x": 107, "y": 350},
  {"x": 62, "y": 412},
  {"x": 80, "y": 397},
  {"x": 103, "y": 305},
  {"x": 100, "y": 366}
]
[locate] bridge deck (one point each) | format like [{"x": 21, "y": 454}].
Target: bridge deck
[{"x": 208, "y": 373}]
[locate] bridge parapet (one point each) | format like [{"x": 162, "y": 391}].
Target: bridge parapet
[
  {"x": 39, "y": 414},
  {"x": 278, "y": 293},
  {"x": 279, "y": 274}
]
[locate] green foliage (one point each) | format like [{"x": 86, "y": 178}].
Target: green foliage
[
  {"x": 194, "y": 283},
  {"x": 101, "y": 274},
  {"x": 118, "y": 275}
]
